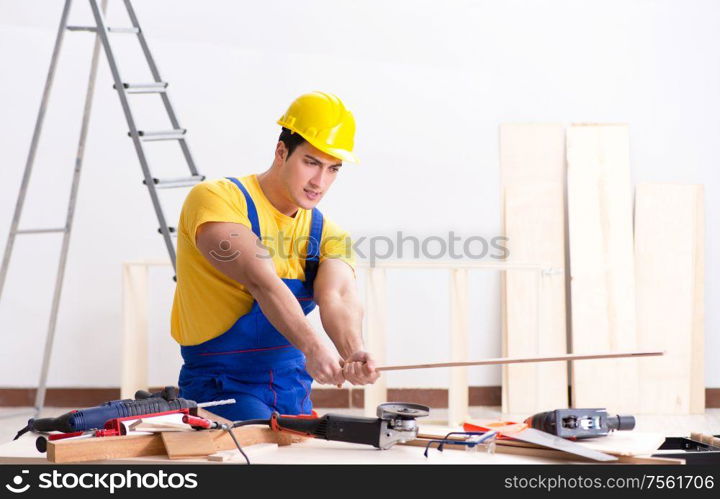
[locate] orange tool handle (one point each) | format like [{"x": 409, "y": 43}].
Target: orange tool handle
[{"x": 505, "y": 429}]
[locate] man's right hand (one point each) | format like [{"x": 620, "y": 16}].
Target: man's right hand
[{"x": 324, "y": 365}]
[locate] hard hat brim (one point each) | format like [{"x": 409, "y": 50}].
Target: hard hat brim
[
  {"x": 339, "y": 153},
  {"x": 342, "y": 154}
]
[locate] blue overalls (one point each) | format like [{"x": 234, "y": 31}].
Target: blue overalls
[{"x": 252, "y": 361}]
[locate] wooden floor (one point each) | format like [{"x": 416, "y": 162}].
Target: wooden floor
[{"x": 670, "y": 426}]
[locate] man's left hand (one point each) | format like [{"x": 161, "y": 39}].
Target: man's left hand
[{"x": 359, "y": 369}]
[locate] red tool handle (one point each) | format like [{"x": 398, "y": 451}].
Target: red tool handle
[
  {"x": 60, "y": 436},
  {"x": 197, "y": 421}
]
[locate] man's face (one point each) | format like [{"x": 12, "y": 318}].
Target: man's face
[{"x": 307, "y": 173}]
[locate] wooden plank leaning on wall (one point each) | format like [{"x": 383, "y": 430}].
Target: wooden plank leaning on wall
[
  {"x": 669, "y": 268},
  {"x": 601, "y": 266},
  {"x": 532, "y": 170}
]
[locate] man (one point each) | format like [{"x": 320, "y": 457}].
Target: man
[{"x": 255, "y": 256}]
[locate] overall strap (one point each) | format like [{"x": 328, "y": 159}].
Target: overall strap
[
  {"x": 252, "y": 211},
  {"x": 312, "y": 259}
]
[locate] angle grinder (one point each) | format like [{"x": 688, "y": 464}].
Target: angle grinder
[{"x": 395, "y": 423}]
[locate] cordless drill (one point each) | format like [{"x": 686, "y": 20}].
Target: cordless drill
[
  {"x": 145, "y": 403},
  {"x": 579, "y": 423}
]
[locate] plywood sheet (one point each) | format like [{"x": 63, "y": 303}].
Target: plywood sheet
[
  {"x": 535, "y": 306},
  {"x": 669, "y": 271},
  {"x": 532, "y": 165},
  {"x": 601, "y": 265}
]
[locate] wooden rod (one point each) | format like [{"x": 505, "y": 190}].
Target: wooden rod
[{"x": 518, "y": 360}]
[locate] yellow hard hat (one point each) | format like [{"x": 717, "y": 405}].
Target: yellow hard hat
[{"x": 322, "y": 120}]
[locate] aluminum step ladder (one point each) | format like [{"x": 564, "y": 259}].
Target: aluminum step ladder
[{"x": 103, "y": 34}]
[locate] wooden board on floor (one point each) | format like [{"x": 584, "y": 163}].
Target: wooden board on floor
[
  {"x": 669, "y": 271},
  {"x": 601, "y": 266},
  {"x": 104, "y": 448},
  {"x": 532, "y": 167},
  {"x": 182, "y": 445}
]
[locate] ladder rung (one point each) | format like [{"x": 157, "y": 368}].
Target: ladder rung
[
  {"x": 130, "y": 30},
  {"x": 110, "y": 29},
  {"x": 176, "y": 134},
  {"x": 40, "y": 231},
  {"x": 171, "y": 230},
  {"x": 168, "y": 183},
  {"x": 144, "y": 88}
]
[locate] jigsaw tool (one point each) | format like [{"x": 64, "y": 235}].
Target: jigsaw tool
[{"x": 580, "y": 423}]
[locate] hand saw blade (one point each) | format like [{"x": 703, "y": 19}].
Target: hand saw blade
[
  {"x": 537, "y": 437},
  {"x": 554, "y": 442}
]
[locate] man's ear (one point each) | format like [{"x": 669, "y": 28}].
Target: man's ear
[{"x": 281, "y": 151}]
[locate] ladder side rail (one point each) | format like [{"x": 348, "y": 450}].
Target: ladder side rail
[
  {"x": 33, "y": 145},
  {"x": 69, "y": 218},
  {"x": 103, "y": 33},
  {"x": 164, "y": 95}
]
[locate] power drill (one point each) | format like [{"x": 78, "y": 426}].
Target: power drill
[
  {"x": 96, "y": 417},
  {"x": 579, "y": 423}
]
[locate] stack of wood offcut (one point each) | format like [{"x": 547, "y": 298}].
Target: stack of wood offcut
[{"x": 628, "y": 274}]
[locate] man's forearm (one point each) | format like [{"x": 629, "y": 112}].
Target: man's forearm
[
  {"x": 341, "y": 317},
  {"x": 284, "y": 312}
]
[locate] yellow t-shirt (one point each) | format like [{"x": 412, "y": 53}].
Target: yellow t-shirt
[{"x": 207, "y": 302}]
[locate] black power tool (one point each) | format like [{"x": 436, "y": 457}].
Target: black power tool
[
  {"x": 395, "y": 423},
  {"x": 579, "y": 423}
]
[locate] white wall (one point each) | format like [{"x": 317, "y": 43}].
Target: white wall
[{"x": 428, "y": 81}]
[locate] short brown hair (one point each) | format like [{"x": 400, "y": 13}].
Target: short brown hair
[{"x": 291, "y": 140}]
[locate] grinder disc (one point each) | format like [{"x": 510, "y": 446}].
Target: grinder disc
[{"x": 401, "y": 410}]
